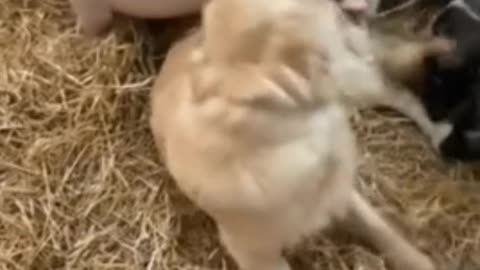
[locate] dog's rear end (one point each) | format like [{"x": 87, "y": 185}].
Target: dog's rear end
[{"x": 249, "y": 115}]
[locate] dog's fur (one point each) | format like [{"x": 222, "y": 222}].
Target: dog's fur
[
  {"x": 95, "y": 17},
  {"x": 249, "y": 111}
]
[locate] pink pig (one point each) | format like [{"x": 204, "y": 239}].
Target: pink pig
[{"x": 95, "y": 16}]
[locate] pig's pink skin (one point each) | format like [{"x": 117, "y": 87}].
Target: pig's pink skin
[{"x": 95, "y": 16}]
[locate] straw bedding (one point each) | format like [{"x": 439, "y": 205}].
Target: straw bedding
[{"x": 82, "y": 187}]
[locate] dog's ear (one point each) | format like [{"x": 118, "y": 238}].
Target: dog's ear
[
  {"x": 354, "y": 5},
  {"x": 442, "y": 53},
  {"x": 273, "y": 85},
  {"x": 410, "y": 61},
  {"x": 204, "y": 77},
  {"x": 240, "y": 84},
  {"x": 358, "y": 9}
]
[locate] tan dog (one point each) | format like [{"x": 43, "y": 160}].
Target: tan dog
[
  {"x": 95, "y": 16},
  {"x": 249, "y": 114}
]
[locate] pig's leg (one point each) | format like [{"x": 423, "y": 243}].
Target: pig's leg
[
  {"x": 93, "y": 16},
  {"x": 364, "y": 221}
]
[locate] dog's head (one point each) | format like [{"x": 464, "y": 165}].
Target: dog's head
[
  {"x": 231, "y": 26},
  {"x": 289, "y": 41}
]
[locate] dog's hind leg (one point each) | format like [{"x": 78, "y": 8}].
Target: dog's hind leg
[{"x": 363, "y": 220}]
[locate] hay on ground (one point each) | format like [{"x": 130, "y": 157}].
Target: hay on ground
[{"x": 82, "y": 186}]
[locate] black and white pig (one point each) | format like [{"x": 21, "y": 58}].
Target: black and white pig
[
  {"x": 443, "y": 96},
  {"x": 452, "y": 93}
]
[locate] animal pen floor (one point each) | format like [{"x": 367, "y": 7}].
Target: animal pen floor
[{"x": 82, "y": 187}]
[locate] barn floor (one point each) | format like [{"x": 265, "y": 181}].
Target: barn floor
[{"x": 82, "y": 187}]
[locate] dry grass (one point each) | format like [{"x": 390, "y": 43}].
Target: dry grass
[{"x": 82, "y": 187}]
